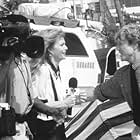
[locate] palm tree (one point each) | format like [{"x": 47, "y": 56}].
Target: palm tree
[
  {"x": 3, "y": 7},
  {"x": 119, "y": 12}
]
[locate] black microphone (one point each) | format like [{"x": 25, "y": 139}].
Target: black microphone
[{"x": 72, "y": 85}]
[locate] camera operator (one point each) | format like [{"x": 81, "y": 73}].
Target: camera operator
[
  {"x": 15, "y": 81},
  {"x": 16, "y": 85}
]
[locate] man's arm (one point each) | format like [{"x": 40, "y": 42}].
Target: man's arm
[
  {"x": 110, "y": 89},
  {"x": 46, "y": 109}
]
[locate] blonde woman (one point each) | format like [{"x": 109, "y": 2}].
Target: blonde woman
[{"x": 48, "y": 87}]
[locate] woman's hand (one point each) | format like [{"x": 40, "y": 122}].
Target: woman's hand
[
  {"x": 79, "y": 96},
  {"x": 60, "y": 119},
  {"x": 70, "y": 100}
]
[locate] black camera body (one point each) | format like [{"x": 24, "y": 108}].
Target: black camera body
[{"x": 15, "y": 36}]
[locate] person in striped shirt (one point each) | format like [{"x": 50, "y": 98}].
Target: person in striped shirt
[{"x": 125, "y": 83}]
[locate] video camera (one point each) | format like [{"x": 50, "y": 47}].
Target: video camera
[{"x": 15, "y": 36}]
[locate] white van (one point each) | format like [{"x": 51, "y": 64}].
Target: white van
[{"x": 80, "y": 61}]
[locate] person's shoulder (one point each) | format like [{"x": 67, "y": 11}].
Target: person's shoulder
[
  {"x": 43, "y": 69},
  {"x": 123, "y": 69}
]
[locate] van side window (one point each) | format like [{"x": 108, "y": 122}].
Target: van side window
[{"x": 75, "y": 46}]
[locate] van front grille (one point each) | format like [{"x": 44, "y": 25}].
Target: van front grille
[{"x": 85, "y": 65}]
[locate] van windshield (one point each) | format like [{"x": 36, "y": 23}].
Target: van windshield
[{"x": 75, "y": 46}]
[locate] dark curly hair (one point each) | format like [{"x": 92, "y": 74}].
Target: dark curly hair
[{"x": 130, "y": 33}]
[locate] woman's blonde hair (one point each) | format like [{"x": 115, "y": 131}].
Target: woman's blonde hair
[{"x": 50, "y": 36}]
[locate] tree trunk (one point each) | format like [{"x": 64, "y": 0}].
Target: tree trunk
[
  {"x": 106, "y": 16},
  {"x": 119, "y": 12}
]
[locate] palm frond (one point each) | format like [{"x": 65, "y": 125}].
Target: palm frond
[{"x": 3, "y": 5}]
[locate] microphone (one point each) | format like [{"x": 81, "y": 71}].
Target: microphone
[{"x": 72, "y": 86}]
